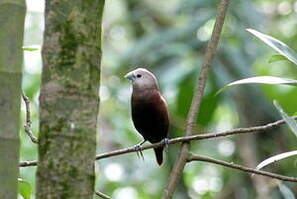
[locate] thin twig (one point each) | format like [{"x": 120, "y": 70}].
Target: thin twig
[
  {"x": 193, "y": 157},
  {"x": 102, "y": 195},
  {"x": 256, "y": 129},
  {"x": 27, "y": 125},
  {"x": 196, "y": 101}
]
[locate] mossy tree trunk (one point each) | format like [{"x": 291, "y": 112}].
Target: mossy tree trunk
[
  {"x": 69, "y": 98},
  {"x": 12, "y": 17}
]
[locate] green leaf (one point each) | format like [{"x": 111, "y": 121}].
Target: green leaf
[
  {"x": 25, "y": 188},
  {"x": 286, "y": 191},
  {"x": 276, "y": 45},
  {"x": 275, "y": 159},
  {"x": 29, "y": 48},
  {"x": 184, "y": 97},
  {"x": 276, "y": 58},
  {"x": 261, "y": 80},
  {"x": 292, "y": 123}
]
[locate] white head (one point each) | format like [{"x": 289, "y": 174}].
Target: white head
[{"x": 141, "y": 78}]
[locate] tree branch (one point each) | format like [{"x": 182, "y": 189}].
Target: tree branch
[
  {"x": 27, "y": 126},
  {"x": 196, "y": 101},
  {"x": 193, "y": 157},
  {"x": 256, "y": 129},
  {"x": 102, "y": 195}
]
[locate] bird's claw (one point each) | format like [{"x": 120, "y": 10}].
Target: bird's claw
[
  {"x": 165, "y": 141},
  {"x": 138, "y": 150}
]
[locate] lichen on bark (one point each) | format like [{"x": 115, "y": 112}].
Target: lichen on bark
[{"x": 69, "y": 98}]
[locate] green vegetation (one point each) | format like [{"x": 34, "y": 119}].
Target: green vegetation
[{"x": 169, "y": 38}]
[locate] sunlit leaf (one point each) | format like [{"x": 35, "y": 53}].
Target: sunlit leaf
[
  {"x": 276, "y": 58},
  {"x": 292, "y": 123},
  {"x": 275, "y": 159},
  {"x": 29, "y": 48},
  {"x": 261, "y": 80},
  {"x": 25, "y": 188},
  {"x": 286, "y": 191},
  {"x": 277, "y": 45}
]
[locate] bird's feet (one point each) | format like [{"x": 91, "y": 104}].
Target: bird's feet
[
  {"x": 165, "y": 141},
  {"x": 138, "y": 150}
]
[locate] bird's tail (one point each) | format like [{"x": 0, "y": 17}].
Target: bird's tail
[{"x": 159, "y": 154}]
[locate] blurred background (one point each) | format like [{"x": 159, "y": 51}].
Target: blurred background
[{"x": 169, "y": 38}]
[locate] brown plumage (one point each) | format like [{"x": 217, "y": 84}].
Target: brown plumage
[{"x": 149, "y": 109}]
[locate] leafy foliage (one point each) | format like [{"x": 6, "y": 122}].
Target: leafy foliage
[
  {"x": 262, "y": 80},
  {"x": 25, "y": 189},
  {"x": 277, "y": 45},
  {"x": 286, "y": 192},
  {"x": 276, "y": 58},
  {"x": 292, "y": 123},
  {"x": 169, "y": 37},
  {"x": 275, "y": 159},
  {"x": 29, "y": 48}
]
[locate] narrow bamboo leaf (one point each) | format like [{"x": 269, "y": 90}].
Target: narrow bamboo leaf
[
  {"x": 276, "y": 58},
  {"x": 292, "y": 123},
  {"x": 25, "y": 188},
  {"x": 276, "y": 158},
  {"x": 286, "y": 191},
  {"x": 277, "y": 45},
  {"x": 261, "y": 80},
  {"x": 29, "y": 48}
]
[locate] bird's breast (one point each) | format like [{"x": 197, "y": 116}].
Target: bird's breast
[{"x": 150, "y": 116}]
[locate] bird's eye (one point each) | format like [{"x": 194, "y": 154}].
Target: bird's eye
[{"x": 138, "y": 75}]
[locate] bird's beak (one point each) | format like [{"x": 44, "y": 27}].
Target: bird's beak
[{"x": 131, "y": 76}]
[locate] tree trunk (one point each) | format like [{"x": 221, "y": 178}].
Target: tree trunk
[
  {"x": 12, "y": 17},
  {"x": 69, "y": 98}
]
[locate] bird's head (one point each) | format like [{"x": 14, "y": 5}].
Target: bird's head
[{"x": 141, "y": 78}]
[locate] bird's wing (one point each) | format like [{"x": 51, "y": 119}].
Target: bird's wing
[{"x": 150, "y": 115}]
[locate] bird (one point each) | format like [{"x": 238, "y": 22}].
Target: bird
[{"x": 149, "y": 109}]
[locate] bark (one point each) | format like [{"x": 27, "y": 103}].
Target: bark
[
  {"x": 12, "y": 16},
  {"x": 69, "y": 98}
]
